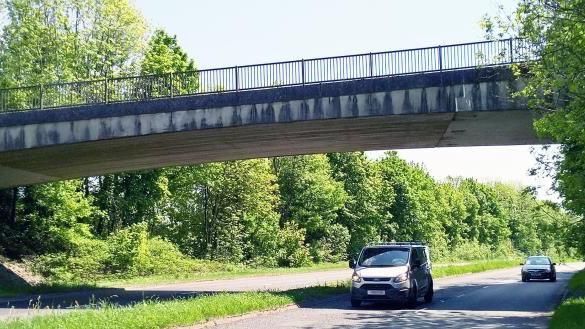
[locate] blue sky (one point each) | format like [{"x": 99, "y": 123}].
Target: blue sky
[{"x": 222, "y": 33}]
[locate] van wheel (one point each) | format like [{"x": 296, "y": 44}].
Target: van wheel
[
  {"x": 430, "y": 293},
  {"x": 553, "y": 278},
  {"x": 411, "y": 299},
  {"x": 356, "y": 303}
]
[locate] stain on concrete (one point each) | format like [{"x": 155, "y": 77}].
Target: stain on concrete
[
  {"x": 474, "y": 96},
  {"x": 406, "y": 104},
  {"x": 268, "y": 114},
  {"x": 236, "y": 117},
  {"x": 424, "y": 107},
  {"x": 253, "y": 116},
  {"x": 387, "y": 103}
]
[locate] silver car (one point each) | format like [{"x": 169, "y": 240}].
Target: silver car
[{"x": 538, "y": 267}]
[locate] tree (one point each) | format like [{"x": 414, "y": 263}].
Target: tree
[
  {"x": 554, "y": 32},
  {"x": 361, "y": 213},
  {"x": 48, "y": 41},
  {"x": 415, "y": 207},
  {"x": 224, "y": 210},
  {"x": 141, "y": 197},
  {"x": 309, "y": 195},
  {"x": 164, "y": 55}
]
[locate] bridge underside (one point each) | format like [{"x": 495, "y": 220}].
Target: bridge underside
[{"x": 485, "y": 128}]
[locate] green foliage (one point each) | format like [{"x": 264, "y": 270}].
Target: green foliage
[
  {"x": 362, "y": 211},
  {"x": 41, "y": 43},
  {"x": 309, "y": 196},
  {"x": 554, "y": 32},
  {"x": 292, "y": 251},
  {"x": 164, "y": 56}
]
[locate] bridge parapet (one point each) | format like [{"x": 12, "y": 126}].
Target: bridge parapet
[{"x": 268, "y": 75}]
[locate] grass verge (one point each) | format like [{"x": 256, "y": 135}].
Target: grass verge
[
  {"x": 152, "y": 314},
  {"x": 474, "y": 267},
  {"x": 571, "y": 313},
  {"x": 218, "y": 275}
]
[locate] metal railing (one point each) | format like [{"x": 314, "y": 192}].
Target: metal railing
[{"x": 270, "y": 75}]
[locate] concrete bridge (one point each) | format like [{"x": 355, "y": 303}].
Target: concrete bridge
[{"x": 457, "y": 95}]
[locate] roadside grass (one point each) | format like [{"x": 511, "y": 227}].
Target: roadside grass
[
  {"x": 474, "y": 267},
  {"x": 571, "y": 313},
  {"x": 152, "y": 314},
  {"x": 238, "y": 272}
]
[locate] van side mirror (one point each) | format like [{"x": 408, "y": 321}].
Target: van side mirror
[
  {"x": 522, "y": 264},
  {"x": 352, "y": 263},
  {"x": 554, "y": 263}
]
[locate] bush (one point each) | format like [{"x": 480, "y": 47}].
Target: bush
[
  {"x": 332, "y": 247},
  {"x": 130, "y": 252},
  {"x": 468, "y": 251},
  {"x": 292, "y": 251},
  {"x": 86, "y": 260}
]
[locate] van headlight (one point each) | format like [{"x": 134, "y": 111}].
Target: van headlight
[
  {"x": 401, "y": 278},
  {"x": 356, "y": 277}
]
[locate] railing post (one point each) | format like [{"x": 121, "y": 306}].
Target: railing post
[
  {"x": 511, "y": 51},
  {"x": 41, "y": 96},
  {"x": 303, "y": 71},
  {"x": 171, "y": 84},
  {"x": 371, "y": 66},
  {"x": 237, "y": 78},
  {"x": 440, "y": 50},
  {"x": 106, "y": 90}
]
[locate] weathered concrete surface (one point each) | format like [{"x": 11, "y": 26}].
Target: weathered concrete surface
[{"x": 461, "y": 108}]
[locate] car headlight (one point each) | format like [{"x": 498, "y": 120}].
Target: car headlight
[
  {"x": 401, "y": 278},
  {"x": 356, "y": 278}
]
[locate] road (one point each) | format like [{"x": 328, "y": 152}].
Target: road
[
  {"x": 26, "y": 306},
  {"x": 495, "y": 299}
]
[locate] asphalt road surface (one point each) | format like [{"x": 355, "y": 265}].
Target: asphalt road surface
[
  {"x": 495, "y": 299},
  {"x": 27, "y": 306}
]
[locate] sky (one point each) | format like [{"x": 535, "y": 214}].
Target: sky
[{"x": 219, "y": 33}]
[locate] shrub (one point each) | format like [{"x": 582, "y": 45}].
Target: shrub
[{"x": 292, "y": 251}]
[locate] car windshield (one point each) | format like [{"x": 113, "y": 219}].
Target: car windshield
[
  {"x": 537, "y": 261},
  {"x": 382, "y": 257}
]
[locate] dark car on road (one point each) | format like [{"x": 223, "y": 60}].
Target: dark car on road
[
  {"x": 394, "y": 271},
  {"x": 538, "y": 267}
]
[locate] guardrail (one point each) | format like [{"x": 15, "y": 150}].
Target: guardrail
[{"x": 269, "y": 75}]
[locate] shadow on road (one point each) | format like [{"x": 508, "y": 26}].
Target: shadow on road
[{"x": 497, "y": 304}]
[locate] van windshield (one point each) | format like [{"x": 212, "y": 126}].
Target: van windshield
[{"x": 383, "y": 257}]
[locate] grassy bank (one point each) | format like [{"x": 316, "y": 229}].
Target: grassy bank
[
  {"x": 218, "y": 275},
  {"x": 474, "y": 267},
  {"x": 189, "y": 311},
  {"x": 571, "y": 313},
  {"x": 175, "y": 313}
]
